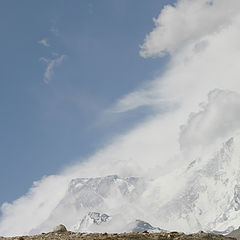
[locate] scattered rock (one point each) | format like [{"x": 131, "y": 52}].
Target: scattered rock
[
  {"x": 60, "y": 228},
  {"x": 121, "y": 236}
]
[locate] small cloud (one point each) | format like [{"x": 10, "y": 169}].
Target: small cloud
[
  {"x": 44, "y": 42},
  {"x": 51, "y": 64}
]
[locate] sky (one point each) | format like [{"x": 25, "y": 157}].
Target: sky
[
  {"x": 63, "y": 65},
  {"x": 133, "y": 88}
]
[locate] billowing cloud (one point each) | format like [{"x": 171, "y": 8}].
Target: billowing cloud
[
  {"x": 51, "y": 64},
  {"x": 202, "y": 38},
  {"x": 32, "y": 208},
  {"x": 206, "y": 62},
  {"x": 217, "y": 120},
  {"x": 185, "y": 22}
]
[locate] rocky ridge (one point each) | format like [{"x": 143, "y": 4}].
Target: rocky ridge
[{"x": 67, "y": 235}]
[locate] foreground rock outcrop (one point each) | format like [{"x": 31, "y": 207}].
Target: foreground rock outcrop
[
  {"x": 60, "y": 229},
  {"x": 66, "y": 235}
]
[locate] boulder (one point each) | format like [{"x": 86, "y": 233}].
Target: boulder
[{"x": 60, "y": 228}]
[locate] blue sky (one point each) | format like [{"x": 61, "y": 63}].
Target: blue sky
[{"x": 47, "y": 124}]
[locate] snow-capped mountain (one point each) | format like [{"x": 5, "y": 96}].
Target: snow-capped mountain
[
  {"x": 202, "y": 195},
  {"x": 141, "y": 226},
  {"x": 210, "y": 197},
  {"x": 97, "y": 222},
  {"x": 90, "y": 221},
  {"x": 111, "y": 194}
]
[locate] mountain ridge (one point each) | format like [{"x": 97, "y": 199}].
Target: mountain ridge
[{"x": 191, "y": 198}]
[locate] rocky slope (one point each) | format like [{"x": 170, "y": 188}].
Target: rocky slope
[{"x": 122, "y": 236}]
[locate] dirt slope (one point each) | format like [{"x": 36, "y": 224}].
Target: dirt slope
[{"x": 123, "y": 236}]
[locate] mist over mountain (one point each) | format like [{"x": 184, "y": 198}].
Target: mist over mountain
[{"x": 197, "y": 205}]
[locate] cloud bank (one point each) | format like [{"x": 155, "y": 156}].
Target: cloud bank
[{"x": 201, "y": 82}]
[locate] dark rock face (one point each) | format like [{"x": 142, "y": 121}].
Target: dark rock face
[
  {"x": 98, "y": 218},
  {"x": 235, "y": 234},
  {"x": 142, "y": 226}
]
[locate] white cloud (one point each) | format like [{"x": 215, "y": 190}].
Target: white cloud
[
  {"x": 218, "y": 119},
  {"x": 191, "y": 71},
  {"x": 34, "y": 207},
  {"x": 44, "y": 42},
  {"x": 51, "y": 64},
  {"x": 203, "y": 40},
  {"x": 185, "y": 22},
  {"x": 142, "y": 97}
]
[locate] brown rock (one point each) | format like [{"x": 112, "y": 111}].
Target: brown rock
[{"x": 60, "y": 228}]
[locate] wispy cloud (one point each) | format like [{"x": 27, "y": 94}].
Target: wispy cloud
[
  {"x": 44, "y": 42},
  {"x": 51, "y": 65},
  {"x": 134, "y": 100}
]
